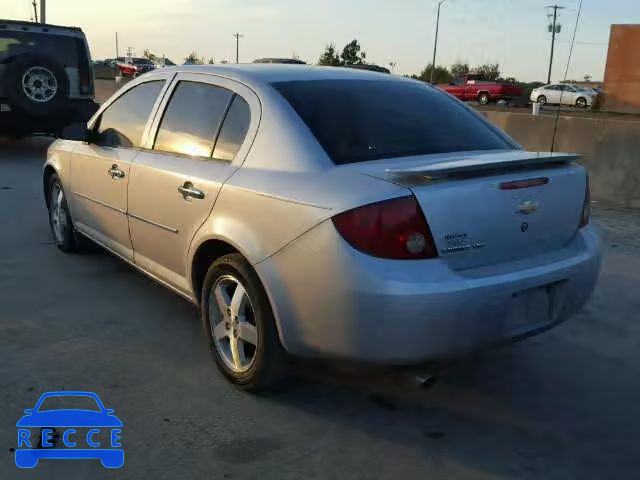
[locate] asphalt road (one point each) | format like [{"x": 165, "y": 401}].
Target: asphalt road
[{"x": 563, "y": 405}]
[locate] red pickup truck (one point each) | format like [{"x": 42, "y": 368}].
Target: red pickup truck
[{"x": 471, "y": 87}]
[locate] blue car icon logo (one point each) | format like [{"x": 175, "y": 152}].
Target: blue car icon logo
[{"x": 96, "y": 428}]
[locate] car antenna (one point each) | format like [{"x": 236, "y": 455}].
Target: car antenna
[{"x": 566, "y": 72}]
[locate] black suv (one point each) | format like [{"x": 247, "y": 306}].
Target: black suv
[{"x": 46, "y": 78}]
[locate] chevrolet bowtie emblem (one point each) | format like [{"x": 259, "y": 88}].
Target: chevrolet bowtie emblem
[{"x": 528, "y": 207}]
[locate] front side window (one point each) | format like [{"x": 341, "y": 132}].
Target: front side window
[
  {"x": 122, "y": 123},
  {"x": 192, "y": 119},
  {"x": 361, "y": 120},
  {"x": 233, "y": 130}
]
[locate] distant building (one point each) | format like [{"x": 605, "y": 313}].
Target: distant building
[{"x": 622, "y": 73}]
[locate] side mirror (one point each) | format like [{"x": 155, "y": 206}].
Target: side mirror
[{"x": 76, "y": 131}]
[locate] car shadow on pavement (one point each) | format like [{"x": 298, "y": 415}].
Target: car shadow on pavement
[{"x": 527, "y": 410}]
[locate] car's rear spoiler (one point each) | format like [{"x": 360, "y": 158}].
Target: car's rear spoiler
[{"x": 476, "y": 165}]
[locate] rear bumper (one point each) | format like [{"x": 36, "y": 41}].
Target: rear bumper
[
  {"x": 13, "y": 121},
  {"x": 330, "y": 300}
]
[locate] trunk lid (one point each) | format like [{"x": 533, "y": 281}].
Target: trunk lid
[{"x": 479, "y": 215}]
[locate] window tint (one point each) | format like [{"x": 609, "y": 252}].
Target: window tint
[
  {"x": 123, "y": 122},
  {"x": 66, "y": 50},
  {"x": 192, "y": 119},
  {"x": 233, "y": 131},
  {"x": 360, "y": 120}
]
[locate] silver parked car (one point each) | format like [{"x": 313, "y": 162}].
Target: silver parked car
[
  {"x": 326, "y": 212},
  {"x": 563, "y": 94}
]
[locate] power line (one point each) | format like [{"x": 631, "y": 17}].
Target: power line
[
  {"x": 566, "y": 72},
  {"x": 597, "y": 44}
]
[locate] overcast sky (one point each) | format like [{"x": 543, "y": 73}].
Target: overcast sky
[{"x": 509, "y": 32}]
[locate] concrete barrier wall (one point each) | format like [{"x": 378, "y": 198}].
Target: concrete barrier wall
[{"x": 611, "y": 149}]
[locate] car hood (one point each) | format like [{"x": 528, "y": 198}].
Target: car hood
[{"x": 69, "y": 418}]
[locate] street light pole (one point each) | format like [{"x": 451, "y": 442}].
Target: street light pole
[{"x": 435, "y": 43}]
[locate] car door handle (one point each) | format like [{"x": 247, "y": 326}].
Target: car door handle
[
  {"x": 189, "y": 191},
  {"x": 115, "y": 172}
]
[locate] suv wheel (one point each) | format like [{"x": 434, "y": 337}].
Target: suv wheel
[
  {"x": 239, "y": 324},
  {"x": 36, "y": 85},
  {"x": 483, "y": 98}
]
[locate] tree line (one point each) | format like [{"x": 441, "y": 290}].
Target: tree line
[{"x": 353, "y": 54}]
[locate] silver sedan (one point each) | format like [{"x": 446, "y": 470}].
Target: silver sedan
[{"x": 326, "y": 212}]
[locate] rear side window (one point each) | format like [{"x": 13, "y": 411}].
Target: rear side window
[
  {"x": 233, "y": 131},
  {"x": 67, "y": 51},
  {"x": 122, "y": 123},
  {"x": 360, "y": 120},
  {"x": 192, "y": 119}
]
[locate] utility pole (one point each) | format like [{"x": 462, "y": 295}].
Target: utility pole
[
  {"x": 554, "y": 28},
  {"x": 35, "y": 10},
  {"x": 43, "y": 11},
  {"x": 435, "y": 43},
  {"x": 238, "y": 37},
  {"x": 117, "y": 49}
]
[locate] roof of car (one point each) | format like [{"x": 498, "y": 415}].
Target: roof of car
[{"x": 272, "y": 72}]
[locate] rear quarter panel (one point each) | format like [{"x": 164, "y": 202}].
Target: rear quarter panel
[{"x": 259, "y": 211}]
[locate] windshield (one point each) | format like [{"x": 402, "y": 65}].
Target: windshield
[
  {"x": 361, "y": 120},
  {"x": 63, "y": 402}
]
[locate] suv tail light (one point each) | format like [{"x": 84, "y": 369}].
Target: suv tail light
[
  {"x": 586, "y": 206},
  {"x": 85, "y": 83},
  {"x": 393, "y": 229}
]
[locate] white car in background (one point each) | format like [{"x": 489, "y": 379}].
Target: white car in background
[{"x": 559, "y": 94}]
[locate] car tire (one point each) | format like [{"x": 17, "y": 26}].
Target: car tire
[
  {"x": 581, "y": 102},
  {"x": 542, "y": 100},
  {"x": 252, "y": 367},
  {"x": 35, "y": 85},
  {"x": 59, "y": 217},
  {"x": 483, "y": 98}
]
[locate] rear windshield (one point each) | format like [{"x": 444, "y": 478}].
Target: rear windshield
[
  {"x": 67, "y": 51},
  {"x": 360, "y": 120}
]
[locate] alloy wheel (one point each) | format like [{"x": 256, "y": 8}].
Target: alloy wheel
[
  {"x": 39, "y": 84},
  {"x": 232, "y": 323},
  {"x": 58, "y": 213}
]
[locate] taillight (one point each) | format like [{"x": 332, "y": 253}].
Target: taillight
[
  {"x": 393, "y": 229},
  {"x": 85, "y": 82},
  {"x": 586, "y": 206}
]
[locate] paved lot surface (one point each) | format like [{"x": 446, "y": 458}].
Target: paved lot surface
[{"x": 560, "y": 406}]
